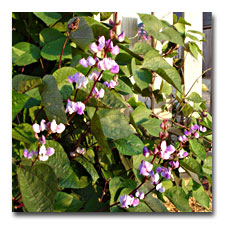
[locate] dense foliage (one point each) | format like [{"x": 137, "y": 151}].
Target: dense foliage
[{"x": 81, "y": 139}]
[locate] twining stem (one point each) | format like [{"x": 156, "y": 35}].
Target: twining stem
[
  {"x": 38, "y": 114},
  {"x": 64, "y": 45}
]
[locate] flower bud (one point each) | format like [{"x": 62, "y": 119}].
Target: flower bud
[{"x": 146, "y": 152}]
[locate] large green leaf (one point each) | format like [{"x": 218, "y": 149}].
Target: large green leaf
[
  {"x": 131, "y": 145},
  {"x": 24, "y": 132},
  {"x": 38, "y": 186},
  {"x": 89, "y": 167},
  {"x": 191, "y": 164},
  {"x": 83, "y": 36},
  {"x": 105, "y": 15},
  {"x": 207, "y": 166},
  {"x": 201, "y": 197},
  {"x": 197, "y": 148},
  {"x": 61, "y": 76},
  {"x": 48, "y": 35},
  {"x": 143, "y": 78},
  {"x": 141, "y": 114},
  {"x": 22, "y": 83},
  {"x": 154, "y": 61},
  {"x": 52, "y": 100},
  {"x": 114, "y": 124},
  {"x": 173, "y": 36},
  {"x": 48, "y": 17},
  {"x": 195, "y": 97},
  {"x": 153, "y": 126},
  {"x": 66, "y": 203},
  {"x": 178, "y": 197},
  {"x": 52, "y": 50},
  {"x": 96, "y": 129},
  {"x": 18, "y": 102},
  {"x": 24, "y": 53},
  {"x": 141, "y": 48}
]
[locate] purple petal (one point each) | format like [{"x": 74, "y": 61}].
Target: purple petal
[
  {"x": 83, "y": 62},
  {"x": 135, "y": 202},
  {"x": 25, "y": 153},
  {"x": 50, "y": 151}
]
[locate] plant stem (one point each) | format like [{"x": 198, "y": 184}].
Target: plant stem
[
  {"x": 64, "y": 45},
  {"x": 38, "y": 114}
]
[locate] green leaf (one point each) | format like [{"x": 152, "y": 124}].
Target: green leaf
[
  {"x": 191, "y": 164},
  {"x": 24, "y": 53},
  {"x": 155, "y": 204},
  {"x": 141, "y": 48},
  {"x": 98, "y": 28},
  {"x": 18, "y": 103},
  {"x": 89, "y": 167},
  {"x": 197, "y": 149},
  {"x": 154, "y": 61},
  {"x": 114, "y": 124},
  {"x": 72, "y": 180},
  {"x": 207, "y": 166},
  {"x": 173, "y": 36},
  {"x": 38, "y": 186},
  {"x": 96, "y": 129},
  {"x": 195, "y": 97},
  {"x": 165, "y": 88},
  {"x": 61, "y": 77},
  {"x": 178, "y": 197},
  {"x": 152, "y": 126},
  {"x": 35, "y": 99},
  {"x": 105, "y": 15},
  {"x": 141, "y": 114},
  {"x": 132, "y": 145},
  {"x": 48, "y": 17},
  {"x": 52, "y": 50},
  {"x": 193, "y": 49},
  {"x": 24, "y": 132},
  {"x": 141, "y": 207},
  {"x": 52, "y": 100},
  {"x": 83, "y": 36},
  {"x": 48, "y": 35},
  {"x": 201, "y": 197},
  {"x": 66, "y": 203},
  {"x": 22, "y": 83},
  {"x": 143, "y": 78}
]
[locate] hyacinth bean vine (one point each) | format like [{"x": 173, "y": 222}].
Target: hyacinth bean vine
[{"x": 82, "y": 142}]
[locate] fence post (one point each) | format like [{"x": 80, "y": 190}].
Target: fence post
[{"x": 192, "y": 66}]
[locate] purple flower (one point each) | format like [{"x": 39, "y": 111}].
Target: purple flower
[
  {"x": 111, "y": 22},
  {"x": 115, "y": 50},
  {"x": 97, "y": 93},
  {"x": 91, "y": 61},
  {"x": 39, "y": 128},
  {"x": 145, "y": 168},
  {"x": 158, "y": 170},
  {"x": 83, "y": 62},
  {"x": 187, "y": 132},
  {"x": 160, "y": 188},
  {"x": 106, "y": 84},
  {"x": 94, "y": 48},
  {"x": 81, "y": 151},
  {"x": 43, "y": 140},
  {"x": 135, "y": 202},
  {"x": 57, "y": 128},
  {"x": 174, "y": 165},
  {"x": 166, "y": 173},
  {"x": 80, "y": 79},
  {"x": 182, "y": 138},
  {"x": 70, "y": 107},
  {"x": 44, "y": 154},
  {"x": 182, "y": 154},
  {"x": 126, "y": 201},
  {"x": 166, "y": 151},
  {"x": 121, "y": 37},
  {"x": 194, "y": 127},
  {"x": 28, "y": 154},
  {"x": 155, "y": 179},
  {"x": 50, "y": 151},
  {"x": 101, "y": 43},
  {"x": 202, "y": 129},
  {"x": 146, "y": 152},
  {"x": 79, "y": 108},
  {"x": 94, "y": 75},
  {"x": 196, "y": 134},
  {"x": 140, "y": 195}
]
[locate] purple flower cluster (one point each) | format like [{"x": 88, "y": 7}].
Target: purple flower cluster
[
  {"x": 79, "y": 79},
  {"x": 193, "y": 132},
  {"x": 72, "y": 107},
  {"x": 111, "y": 84}
]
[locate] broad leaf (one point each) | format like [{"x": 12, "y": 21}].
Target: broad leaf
[
  {"x": 105, "y": 15},
  {"x": 114, "y": 124},
  {"x": 66, "y": 203},
  {"x": 143, "y": 78},
  {"x": 83, "y": 36},
  {"x": 24, "y": 53},
  {"x": 52, "y": 50},
  {"x": 191, "y": 164},
  {"x": 22, "y": 83},
  {"x": 153, "y": 126},
  {"x": 197, "y": 148},
  {"x": 24, "y": 132},
  {"x": 178, "y": 197},
  {"x": 48, "y": 17},
  {"x": 154, "y": 61},
  {"x": 132, "y": 145},
  {"x": 38, "y": 186},
  {"x": 61, "y": 76},
  {"x": 18, "y": 102},
  {"x": 52, "y": 100},
  {"x": 141, "y": 48},
  {"x": 195, "y": 97}
]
